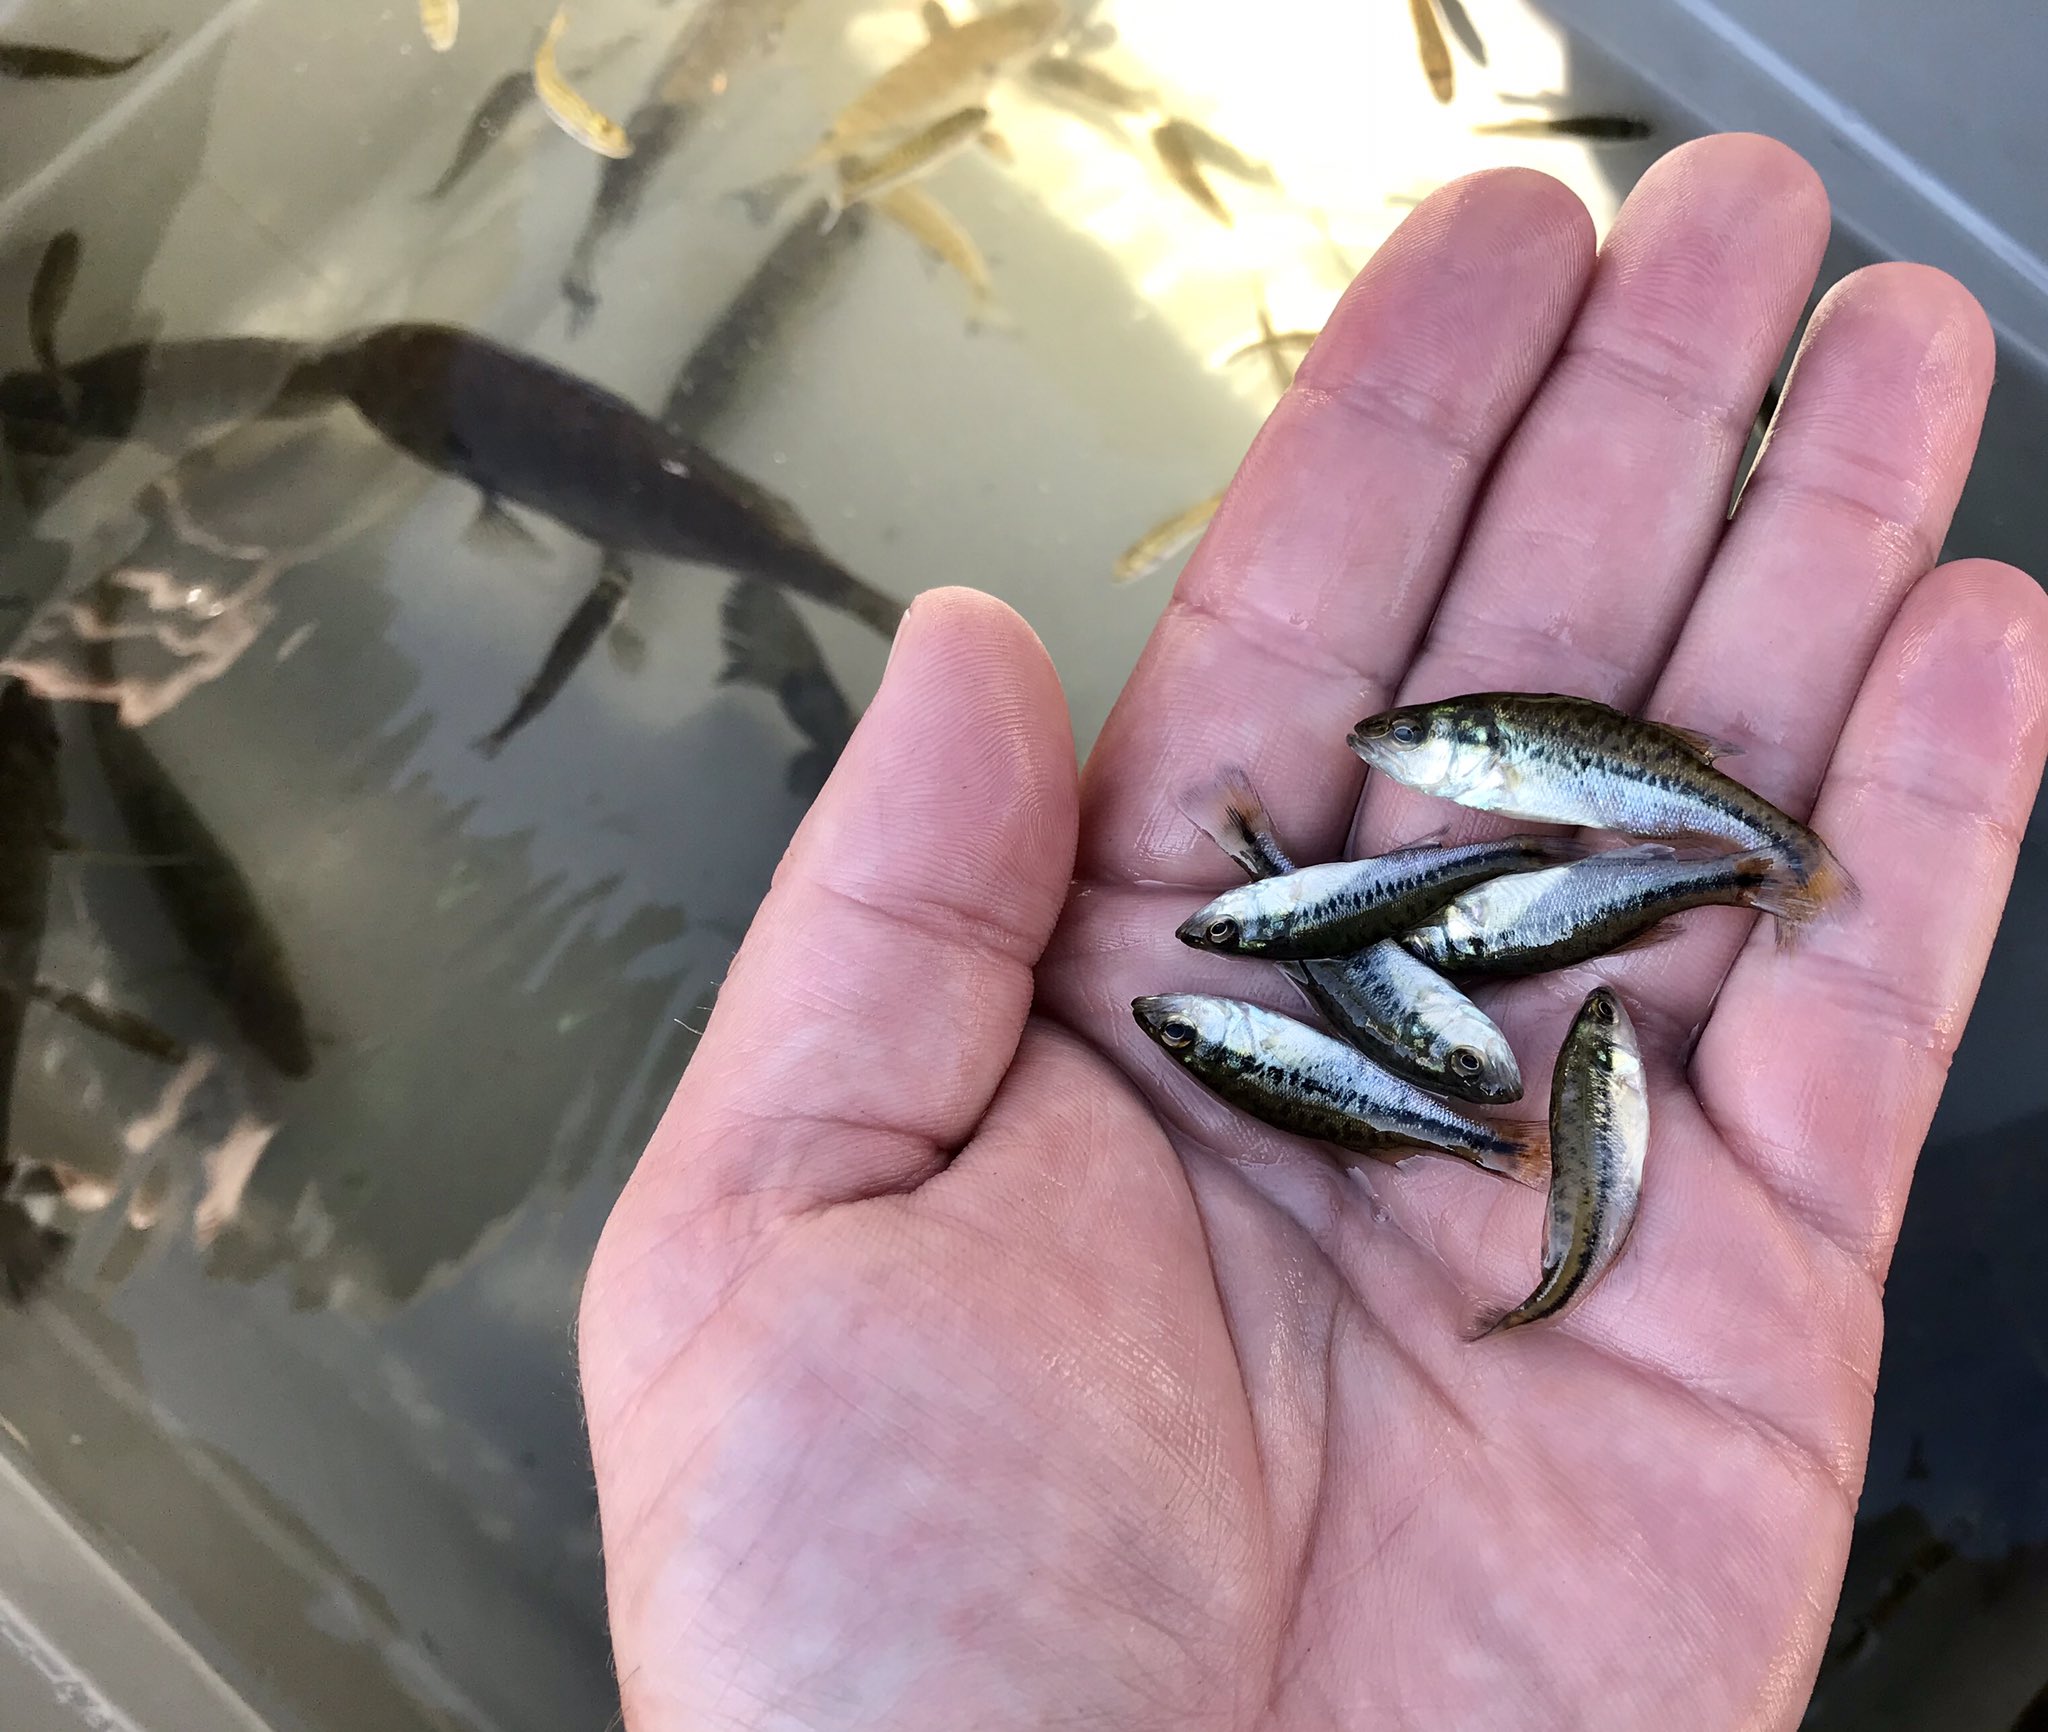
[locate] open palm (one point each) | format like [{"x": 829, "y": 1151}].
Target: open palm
[{"x": 952, "y": 1361}]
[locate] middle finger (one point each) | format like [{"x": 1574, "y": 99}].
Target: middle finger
[{"x": 1609, "y": 500}]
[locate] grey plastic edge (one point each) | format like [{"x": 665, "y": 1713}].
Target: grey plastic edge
[{"x": 1729, "y": 74}]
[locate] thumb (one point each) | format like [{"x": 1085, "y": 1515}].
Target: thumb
[{"x": 881, "y": 991}]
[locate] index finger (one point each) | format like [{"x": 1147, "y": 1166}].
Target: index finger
[{"x": 1314, "y": 584}]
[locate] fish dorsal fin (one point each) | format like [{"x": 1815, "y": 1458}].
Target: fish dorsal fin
[{"x": 1705, "y": 747}]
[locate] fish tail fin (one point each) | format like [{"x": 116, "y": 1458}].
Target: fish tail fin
[
  {"x": 764, "y": 640},
  {"x": 1493, "y": 1321},
  {"x": 1227, "y": 809},
  {"x": 1523, "y": 1153},
  {"x": 1796, "y": 889}
]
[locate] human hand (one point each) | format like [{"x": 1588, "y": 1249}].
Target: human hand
[{"x": 952, "y": 1361}]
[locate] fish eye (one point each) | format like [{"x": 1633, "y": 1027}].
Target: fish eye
[
  {"x": 1221, "y": 930},
  {"x": 1176, "y": 1033},
  {"x": 1602, "y": 1007},
  {"x": 1466, "y": 1062},
  {"x": 1406, "y": 733}
]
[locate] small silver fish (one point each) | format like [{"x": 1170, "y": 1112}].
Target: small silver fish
[
  {"x": 1386, "y": 1003},
  {"x": 932, "y": 226},
  {"x": 1341, "y": 907},
  {"x": 1433, "y": 50},
  {"x": 1588, "y": 128},
  {"x": 1567, "y": 760},
  {"x": 1539, "y": 921},
  {"x": 955, "y": 67},
  {"x": 1599, "y": 1136},
  {"x": 1302, "y": 1080},
  {"x": 1163, "y": 540},
  {"x": 1176, "y": 154},
  {"x": 865, "y": 177},
  {"x": 566, "y": 106},
  {"x": 1460, "y": 24},
  {"x": 439, "y": 19},
  {"x": 48, "y": 296},
  {"x": 1220, "y": 154},
  {"x": 1069, "y": 75}
]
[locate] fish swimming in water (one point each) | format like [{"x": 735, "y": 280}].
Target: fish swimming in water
[
  {"x": 1069, "y": 75},
  {"x": 1460, "y": 24},
  {"x": 719, "y": 36},
  {"x": 1599, "y": 1136},
  {"x": 567, "y": 107},
  {"x": 1204, "y": 146},
  {"x": 31, "y": 62},
  {"x": 1539, "y": 921},
  {"x": 1177, "y": 156},
  {"x": 1341, "y": 907},
  {"x": 203, "y": 384},
  {"x": 124, "y": 1027},
  {"x": 1433, "y": 50},
  {"x": 861, "y": 178},
  {"x": 591, "y": 620},
  {"x": 1589, "y": 128},
  {"x": 652, "y": 131},
  {"x": 1270, "y": 343},
  {"x": 768, "y": 645},
  {"x": 525, "y": 432},
  {"x": 1161, "y": 542},
  {"x": 503, "y": 103},
  {"x": 48, "y": 296},
  {"x": 787, "y": 282},
  {"x": 931, "y": 225},
  {"x": 1299, "y": 1079},
  {"x": 953, "y": 70},
  {"x": 439, "y": 20},
  {"x": 204, "y": 893},
  {"x": 1387, "y": 1004},
  {"x": 1557, "y": 759}
]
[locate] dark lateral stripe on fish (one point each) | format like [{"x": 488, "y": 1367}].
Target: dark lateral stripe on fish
[{"x": 33, "y": 60}]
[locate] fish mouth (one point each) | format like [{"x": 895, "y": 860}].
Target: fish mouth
[
  {"x": 1193, "y": 931},
  {"x": 1152, "y": 1011},
  {"x": 1375, "y": 749}
]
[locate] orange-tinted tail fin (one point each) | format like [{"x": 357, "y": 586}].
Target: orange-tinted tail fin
[
  {"x": 1526, "y": 1156},
  {"x": 1798, "y": 890}
]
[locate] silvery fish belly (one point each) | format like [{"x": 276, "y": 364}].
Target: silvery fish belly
[
  {"x": 1567, "y": 760},
  {"x": 1539, "y": 921}
]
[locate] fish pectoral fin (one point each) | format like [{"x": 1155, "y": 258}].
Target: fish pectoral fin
[
  {"x": 496, "y": 530},
  {"x": 1704, "y": 746}
]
